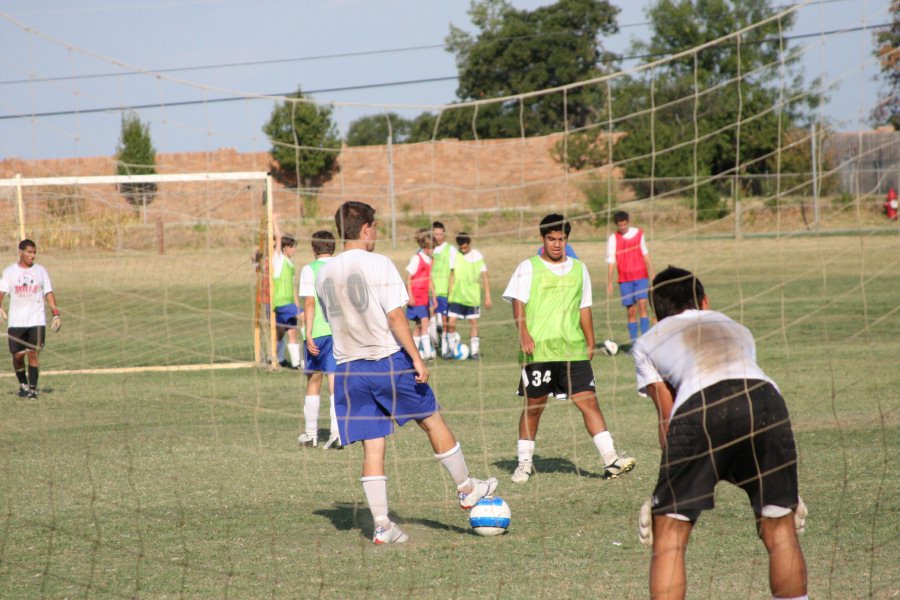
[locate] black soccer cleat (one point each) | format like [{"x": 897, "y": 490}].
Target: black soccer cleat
[
  {"x": 23, "y": 390},
  {"x": 32, "y": 394}
]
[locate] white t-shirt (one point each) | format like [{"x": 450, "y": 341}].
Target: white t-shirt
[
  {"x": 307, "y": 286},
  {"x": 519, "y": 287},
  {"x": 611, "y": 244},
  {"x": 26, "y": 289},
  {"x": 472, "y": 256},
  {"x": 413, "y": 265},
  {"x": 356, "y": 290},
  {"x": 693, "y": 350}
]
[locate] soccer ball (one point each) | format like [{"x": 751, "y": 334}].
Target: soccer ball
[
  {"x": 610, "y": 348},
  {"x": 490, "y": 516},
  {"x": 462, "y": 352}
]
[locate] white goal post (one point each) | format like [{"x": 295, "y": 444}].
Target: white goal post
[{"x": 18, "y": 183}]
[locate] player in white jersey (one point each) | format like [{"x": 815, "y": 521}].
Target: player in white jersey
[
  {"x": 720, "y": 418},
  {"x": 27, "y": 285},
  {"x": 381, "y": 378}
]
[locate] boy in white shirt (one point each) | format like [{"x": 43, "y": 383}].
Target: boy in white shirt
[
  {"x": 381, "y": 378},
  {"x": 720, "y": 418}
]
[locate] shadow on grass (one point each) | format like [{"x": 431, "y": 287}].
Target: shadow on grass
[
  {"x": 348, "y": 516},
  {"x": 550, "y": 465}
]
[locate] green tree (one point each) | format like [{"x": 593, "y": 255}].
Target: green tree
[
  {"x": 887, "y": 42},
  {"x": 373, "y": 130},
  {"x": 519, "y": 51},
  {"x": 305, "y": 142},
  {"x": 135, "y": 155},
  {"x": 714, "y": 110}
]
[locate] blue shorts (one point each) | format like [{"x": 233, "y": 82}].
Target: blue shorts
[
  {"x": 286, "y": 316},
  {"x": 441, "y": 305},
  {"x": 461, "y": 311},
  {"x": 324, "y": 362},
  {"x": 632, "y": 291},
  {"x": 370, "y": 395},
  {"x": 416, "y": 312}
]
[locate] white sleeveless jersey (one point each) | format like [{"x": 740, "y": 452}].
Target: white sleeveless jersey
[
  {"x": 26, "y": 289},
  {"x": 356, "y": 290},
  {"x": 693, "y": 350}
]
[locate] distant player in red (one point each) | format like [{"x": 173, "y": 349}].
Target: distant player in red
[
  {"x": 421, "y": 293},
  {"x": 891, "y": 205},
  {"x": 626, "y": 252}
]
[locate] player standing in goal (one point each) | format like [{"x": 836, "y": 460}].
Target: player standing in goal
[
  {"x": 420, "y": 289},
  {"x": 285, "y": 298},
  {"x": 720, "y": 418},
  {"x": 444, "y": 255},
  {"x": 551, "y": 299},
  {"x": 381, "y": 378},
  {"x": 319, "y": 344},
  {"x": 627, "y": 253},
  {"x": 28, "y": 285}
]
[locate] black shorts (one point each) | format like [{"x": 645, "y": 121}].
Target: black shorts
[
  {"x": 542, "y": 378},
  {"x": 26, "y": 338},
  {"x": 735, "y": 430}
]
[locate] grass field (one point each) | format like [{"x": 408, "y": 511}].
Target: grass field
[{"x": 190, "y": 484}]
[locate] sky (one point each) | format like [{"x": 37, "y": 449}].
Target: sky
[{"x": 68, "y": 68}]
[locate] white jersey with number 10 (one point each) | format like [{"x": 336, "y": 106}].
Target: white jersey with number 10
[{"x": 356, "y": 291}]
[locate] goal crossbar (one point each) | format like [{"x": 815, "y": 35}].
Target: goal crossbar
[{"x": 19, "y": 181}]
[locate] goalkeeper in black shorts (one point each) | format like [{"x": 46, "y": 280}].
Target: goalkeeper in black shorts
[{"x": 720, "y": 418}]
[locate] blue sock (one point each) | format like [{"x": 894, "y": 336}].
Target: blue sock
[
  {"x": 633, "y": 331},
  {"x": 645, "y": 324}
]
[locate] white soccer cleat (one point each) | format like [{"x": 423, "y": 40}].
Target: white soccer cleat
[
  {"x": 522, "y": 472},
  {"x": 333, "y": 443},
  {"x": 307, "y": 441},
  {"x": 645, "y": 523},
  {"x": 480, "y": 490},
  {"x": 800, "y": 514},
  {"x": 389, "y": 536},
  {"x": 618, "y": 467}
]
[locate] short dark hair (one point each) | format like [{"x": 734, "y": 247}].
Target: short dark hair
[
  {"x": 424, "y": 238},
  {"x": 463, "y": 238},
  {"x": 26, "y": 243},
  {"x": 619, "y": 216},
  {"x": 555, "y": 222},
  {"x": 437, "y": 225},
  {"x": 323, "y": 242},
  {"x": 674, "y": 291},
  {"x": 351, "y": 216},
  {"x": 288, "y": 240}
]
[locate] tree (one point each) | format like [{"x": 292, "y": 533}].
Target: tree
[
  {"x": 135, "y": 155},
  {"x": 519, "y": 51},
  {"x": 713, "y": 111},
  {"x": 372, "y": 130},
  {"x": 887, "y": 50},
  {"x": 305, "y": 142}
]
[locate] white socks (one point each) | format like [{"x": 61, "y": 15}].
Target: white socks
[
  {"x": 604, "y": 443},
  {"x": 525, "y": 450},
  {"x": 427, "y": 350},
  {"x": 334, "y": 423},
  {"x": 311, "y": 414},
  {"x": 474, "y": 344},
  {"x": 375, "y": 488},
  {"x": 294, "y": 351},
  {"x": 455, "y": 463}
]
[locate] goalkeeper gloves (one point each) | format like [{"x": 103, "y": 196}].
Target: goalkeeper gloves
[
  {"x": 55, "y": 324},
  {"x": 645, "y": 524},
  {"x": 800, "y": 515}
]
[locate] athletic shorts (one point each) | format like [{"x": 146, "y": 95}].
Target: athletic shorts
[
  {"x": 416, "y": 313},
  {"x": 324, "y": 362},
  {"x": 735, "y": 430},
  {"x": 371, "y": 395},
  {"x": 441, "y": 305},
  {"x": 461, "y": 311},
  {"x": 286, "y": 316},
  {"x": 632, "y": 291},
  {"x": 26, "y": 338},
  {"x": 558, "y": 378}
]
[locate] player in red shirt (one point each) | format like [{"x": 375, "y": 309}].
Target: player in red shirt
[{"x": 627, "y": 253}]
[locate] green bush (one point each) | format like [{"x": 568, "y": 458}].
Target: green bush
[
  {"x": 710, "y": 205},
  {"x": 600, "y": 195}
]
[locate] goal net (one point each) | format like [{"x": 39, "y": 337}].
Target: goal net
[{"x": 158, "y": 462}]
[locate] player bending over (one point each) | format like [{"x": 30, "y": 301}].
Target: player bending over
[
  {"x": 720, "y": 418},
  {"x": 380, "y": 377},
  {"x": 27, "y": 285},
  {"x": 551, "y": 299},
  {"x": 319, "y": 354}
]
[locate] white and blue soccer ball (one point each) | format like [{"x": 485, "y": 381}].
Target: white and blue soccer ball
[
  {"x": 610, "y": 348},
  {"x": 491, "y": 516},
  {"x": 462, "y": 352}
]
